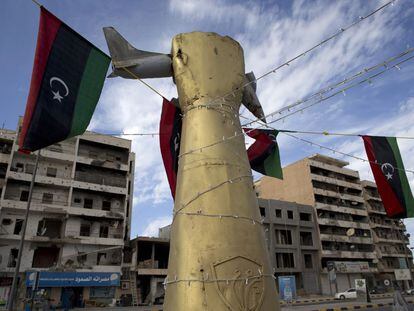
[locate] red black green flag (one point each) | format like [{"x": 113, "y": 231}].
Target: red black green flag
[
  {"x": 264, "y": 152},
  {"x": 67, "y": 80},
  {"x": 388, "y": 169},
  {"x": 170, "y": 135}
]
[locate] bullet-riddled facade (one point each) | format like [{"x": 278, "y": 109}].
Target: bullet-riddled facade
[
  {"x": 389, "y": 235},
  {"x": 79, "y": 218},
  {"x": 342, "y": 219},
  {"x": 292, "y": 239}
]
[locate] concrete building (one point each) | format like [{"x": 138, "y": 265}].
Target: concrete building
[
  {"x": 292, "y": 239},
  {"x": 342, "y": 220},
  {"x": 390, "y": 238},
  {"x": 148, "y": 268},
  {"x": 79, "y": 219}
]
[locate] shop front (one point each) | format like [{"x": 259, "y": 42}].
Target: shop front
[{"x": 74, "y": 289}]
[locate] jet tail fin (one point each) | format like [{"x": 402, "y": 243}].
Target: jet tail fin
[{"x": 123, "y": 54}]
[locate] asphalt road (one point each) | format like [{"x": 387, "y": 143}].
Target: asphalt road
[{"x": 339, "y": 304}]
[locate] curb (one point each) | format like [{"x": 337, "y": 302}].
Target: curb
[{"x": 357, "y": 307}]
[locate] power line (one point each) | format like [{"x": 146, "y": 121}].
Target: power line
[
  {"x": 340, "y": 152},
  {"x": 263, "y": 125},
  {"x": 288, "y": 62},
  {"x": 320, "y": 93},
  {"x": 325, "y": 133}
]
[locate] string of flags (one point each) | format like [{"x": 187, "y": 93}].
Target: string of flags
[
  {"x": 262, "y": 154},
  {"x": 63, "y": 96}
]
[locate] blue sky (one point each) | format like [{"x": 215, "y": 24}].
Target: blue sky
[{"x": 270, "y": 33}]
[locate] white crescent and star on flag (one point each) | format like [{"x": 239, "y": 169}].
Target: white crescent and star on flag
[
  {"x": 56, "y": 94},
  {"x": 388, "y": 170}
]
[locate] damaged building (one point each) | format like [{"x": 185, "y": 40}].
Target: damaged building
[
  {"x": 351, "y": 226},
  {"x": 79, "y": 219}
]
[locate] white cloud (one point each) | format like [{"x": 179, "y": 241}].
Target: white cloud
[
  {"x": 269, "y": 35},
  {"x": 152, "y": 227}
]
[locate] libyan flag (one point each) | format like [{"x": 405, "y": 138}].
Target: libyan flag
[
  {"x": 263, "y": 154},
  {"x": 67, "y": 80},
  {"x": 388, "y": 169}
]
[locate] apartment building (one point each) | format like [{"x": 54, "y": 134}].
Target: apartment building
[
  {"x": 342, "y": 220},
  {"x": 292, "y": 240},
  {"x": 79, "y": 219},
  {"x": 147, "y": 271},
  {"x": 390, "y": 238}
]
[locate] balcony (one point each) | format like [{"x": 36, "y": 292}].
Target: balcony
[
  {"x": 115, "y": 237},
  {"x": 102, "y": 163},
  {"x": 39, "y": 179},
  {"x": 36, "y": 206},
  {"x": 348, "y": 254},
  {"x": 338, "y": 195},
  {"x": 80, "y": 211},
  {"x": 343, "y": 223},
  {"x": 4, "y": 157},
  {"x": 333, "y": 168},
  {"x": 345, "y": 238},
  {"x": 335, "y": 181},
  {"x": 341, "y": 209}
]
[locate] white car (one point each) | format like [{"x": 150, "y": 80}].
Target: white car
[{"x": 350, "y": 293}]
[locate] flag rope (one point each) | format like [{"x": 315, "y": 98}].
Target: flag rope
[{"x": 143, "y": 82}]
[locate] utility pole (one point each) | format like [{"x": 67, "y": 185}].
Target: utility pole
[
  {"x": 13, "y": 291},
  {"x": 218, "y": 256}
]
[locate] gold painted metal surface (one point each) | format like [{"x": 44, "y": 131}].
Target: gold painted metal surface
[{"x": 214, "y": 260}]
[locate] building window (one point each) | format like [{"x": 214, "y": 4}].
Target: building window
[
  {"x": 29, "y": 168},
  {"x": 81, "y": 258},
  {"x": 283, "y": 237},
  {"x": 306, "y": 238},
  {"x": 308, "y": 261},
  {"x": 77, "y": 200},
  {"x": 103, "y": 231},
  {"x": 6, "y": 222},
  {"x": 19, "y": 167},
  {"x": 290, "y": 214},
  {"x": 12, "y": 258},
  {"x": 47, "y": 198},
  {"x": 102, "y": 292},
  {"x": 305, "y": 216},
  {"x": 278, "y": 213},
  {"x": 101, "y": 257},
  {"x": 262, "y": 212},
  {"x": 18, "y": 226},
  {"x": 51, "y": 172},
  {"x": 24, "y": 195},
  {"x": 88, "y": 203},
  {"x": 85, "y": 230},
  {"x": 285, "y": 260},
  {"x": 106, "y": 205}
]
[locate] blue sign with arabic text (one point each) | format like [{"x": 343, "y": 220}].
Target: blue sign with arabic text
[{"x": 73, "y": 279}]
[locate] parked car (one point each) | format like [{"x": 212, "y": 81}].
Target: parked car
[
  {"x": 350, "y": 293},
  {"x": 410, "y": 291}
]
